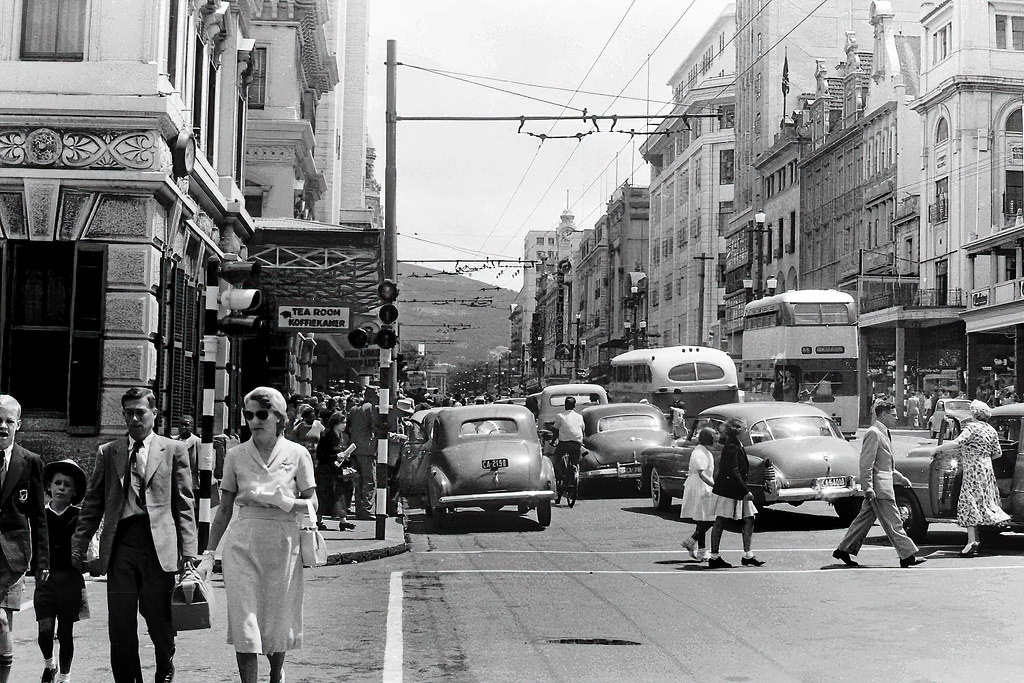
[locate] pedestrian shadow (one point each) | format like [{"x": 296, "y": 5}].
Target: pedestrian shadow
[
  {"x": 474, "y": 522},
  {"x": 768, "y": 520}
]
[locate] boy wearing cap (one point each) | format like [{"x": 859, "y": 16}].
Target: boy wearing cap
[{"x": 60, "y": 600}]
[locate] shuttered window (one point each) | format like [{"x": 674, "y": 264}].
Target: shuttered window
[
  {"x": 53, "y": 30},
  {"x": 183, "y": 318}
]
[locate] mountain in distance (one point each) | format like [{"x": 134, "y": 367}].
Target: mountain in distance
[{"x": 459, "y": 319}]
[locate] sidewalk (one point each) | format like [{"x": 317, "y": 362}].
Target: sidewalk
[{"x": 360, "y": 544}]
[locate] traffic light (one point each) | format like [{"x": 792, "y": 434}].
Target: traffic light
[
  {"x": 236, "y": 305},
  {"x": 387, "y": 337},
  {"x": 365, "y": 333}
]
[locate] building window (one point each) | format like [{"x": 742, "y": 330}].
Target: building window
[
  {"x": 726, "y": 166},
  {"x": 258, "y": 87},
  {"x": 727, "y": 118},
  {"x": 1009, "y": 32},
  {"x": 941, "y": 131},
  {"x": 941, "y": 41},
  {"x": 53, "y": 30},
  {"x": 791, "y": 247},
  {"x": 54, "y": 294}
]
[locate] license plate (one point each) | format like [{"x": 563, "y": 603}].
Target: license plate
[
  {"x": 495, "y": 464},
  {"x": 629, "y": 469},
  {"x": 832, "y": 481}
]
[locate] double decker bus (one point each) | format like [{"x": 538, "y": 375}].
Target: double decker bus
[
  {"x": 701, "y": 376},
  {"x": 802, "y": 346}
]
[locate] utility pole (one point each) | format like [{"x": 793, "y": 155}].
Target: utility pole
[
  {"x": 388, "y": 370},
  {"x": 700, "y": 302}
]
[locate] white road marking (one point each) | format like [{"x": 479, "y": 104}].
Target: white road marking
[
  {"x": 764, "y": 551},
  {"x": 741, "y": 571},
  {"x": 393, "y": 646}
]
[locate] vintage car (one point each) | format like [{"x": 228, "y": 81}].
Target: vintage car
[
  {"x": 615, "y": 434},
  {"x": 948, "y": 407},
  {"x": 796, "y": 453},
  {"x": 480, "y": 456},
  {"x": 550, "y": 401},
  {"x": 936, "y": 477}
]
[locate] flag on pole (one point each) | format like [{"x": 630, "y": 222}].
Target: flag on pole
[{"x": 785, "y": 76}]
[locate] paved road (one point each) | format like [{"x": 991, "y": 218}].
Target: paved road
[{"x": 607, "y": 594}]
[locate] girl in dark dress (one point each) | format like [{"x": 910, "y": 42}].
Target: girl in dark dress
[
  {"x": 60, "y": 600},
  {"x": 730, "y": 496}
]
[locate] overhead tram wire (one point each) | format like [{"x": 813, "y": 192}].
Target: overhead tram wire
[
  {"x": 573, "y": 152},
  {"x": 665, "y": 105},
  {"x": 536, "y": 152}
]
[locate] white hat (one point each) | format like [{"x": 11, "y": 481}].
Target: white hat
[
  {"x": 406, "y": 405},
  {"x": 978, "y": 406}
]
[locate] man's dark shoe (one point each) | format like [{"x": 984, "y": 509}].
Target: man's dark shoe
[
  {"x": 345, "y": 525},
  {"x": 751, "y": 562},
  {"x": 718, "y": 563},
  {"x": 845, "y": 558},
  {"x": 321, "y": 526},
  {"x": 912, "y": 561}
]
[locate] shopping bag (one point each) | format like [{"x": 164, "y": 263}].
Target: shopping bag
[
  {"x": 311, "y": 543},
  {"x": 191, "y": 600}
]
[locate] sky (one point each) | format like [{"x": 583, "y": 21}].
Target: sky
[{"x": 472, "y": 190}]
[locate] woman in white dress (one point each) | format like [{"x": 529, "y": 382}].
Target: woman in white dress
[
  {"x": 697, "y": 493},
  {"x": 271, "y": 480}
]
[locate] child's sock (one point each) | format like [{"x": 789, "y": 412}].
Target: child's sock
[
  {"x": 50, "y": 663},
  {"x": 749, "y": 554}
]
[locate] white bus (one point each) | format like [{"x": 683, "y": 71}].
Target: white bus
[
  {"x": 802, "y": 346},
  {"x": 701, "y": 376}
]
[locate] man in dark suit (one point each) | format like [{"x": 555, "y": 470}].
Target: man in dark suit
[
  {"x": 141, "y": 488},
  {"x": 24, "y": 542}
]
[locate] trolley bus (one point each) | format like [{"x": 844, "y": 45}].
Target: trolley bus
[
  {"x": 802, "y": 346},
  {"x": 701, "y": 376}
]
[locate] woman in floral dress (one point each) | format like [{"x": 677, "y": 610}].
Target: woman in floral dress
[{"x": 979, "y": 503}]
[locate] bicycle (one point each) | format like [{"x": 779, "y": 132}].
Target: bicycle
[{"x": 568, "y": 484}]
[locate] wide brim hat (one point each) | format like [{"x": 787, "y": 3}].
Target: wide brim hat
[{"x": 72, "y": 469}]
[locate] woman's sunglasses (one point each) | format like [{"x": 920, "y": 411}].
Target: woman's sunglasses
[{"x": 261, "y": 414}]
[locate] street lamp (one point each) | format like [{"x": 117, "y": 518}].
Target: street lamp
[{"x": 759, "y": 221}]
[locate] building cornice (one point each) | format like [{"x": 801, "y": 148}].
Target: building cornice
[{"x": 966, "y": 83}]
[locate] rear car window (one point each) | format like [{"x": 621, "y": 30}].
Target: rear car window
[
  {"x": 613, "y": 422},
  {"x": 488, "y": 426},
  {"x": 558, "y": 400},
  {"x": 792, "y": 427}
]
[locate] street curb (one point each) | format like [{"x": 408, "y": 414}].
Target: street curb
[{"x": 376, "y": 553}]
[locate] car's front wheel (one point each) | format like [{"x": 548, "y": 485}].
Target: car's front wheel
[
  {"x": 914, "y": 522},
  {"x": 661, "y": 499},
  {"x": 847, "y": 509},
  {"x": 544, "y": 513}
]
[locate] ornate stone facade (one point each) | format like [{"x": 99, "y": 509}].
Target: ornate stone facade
[{"x": 95, "y": 149}]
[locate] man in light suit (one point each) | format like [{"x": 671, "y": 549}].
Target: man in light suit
[
  {"x": 24, "y": 542},
  {"x": 877, "y": 475},
  {"x": 141, "y": 488}
]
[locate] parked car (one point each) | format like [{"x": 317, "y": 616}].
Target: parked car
[
  {"x": 796, "y": 453},
  {"x": 948, "y": 407},
  {"x": 936, "y": 477},
  {"x": 615, "y": 434},
  {"x": 481, "y": 456},
  {"x": 514, "y": 400}
]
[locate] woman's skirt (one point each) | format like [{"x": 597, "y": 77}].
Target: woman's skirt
[{"x": 731, "y": 508}]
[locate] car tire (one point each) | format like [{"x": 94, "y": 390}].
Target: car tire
[
  {"x": 914, "y": 522},
  {"x": 661, "y": 500},
  {"x": 847, "y": 509},
  {"x": 442, "y": 517},
  {"x": 544, "y": 513}
]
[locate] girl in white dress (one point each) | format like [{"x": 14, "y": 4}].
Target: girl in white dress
[{"x": 697, "y": 493}]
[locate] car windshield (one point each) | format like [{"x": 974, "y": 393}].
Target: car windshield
[
  {"x": 793, "y": 426},
  {"x": 613, "y": 422},
  {"x": 558, "y": 400},
  {"x": 488, "y": 426},
  {"x": 1008, "y": 428},
  {"x": 957, "y": 405}
]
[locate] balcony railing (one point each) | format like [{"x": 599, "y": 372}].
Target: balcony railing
[
  {"x": 998, "y": 293},
  {"x": 912, "y": 298},
  {"x": 939, "y": 211}
]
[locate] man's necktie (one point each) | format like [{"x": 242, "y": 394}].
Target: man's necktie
[{"x": 133, "y": 474}]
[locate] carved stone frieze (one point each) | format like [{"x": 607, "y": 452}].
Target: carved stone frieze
[{"x": 47, "y": 147}]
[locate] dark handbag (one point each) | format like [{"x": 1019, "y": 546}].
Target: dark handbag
[{"x": 191, "y": 600}]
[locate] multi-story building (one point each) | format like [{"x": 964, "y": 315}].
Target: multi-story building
[
  {"x": 970, "y": 104},
  {"x": 121, "y": 176},
  {"x": 764, "y": 34},
  {"x": 692, "y": 173},
  {"x": 590, "y": 278}
]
